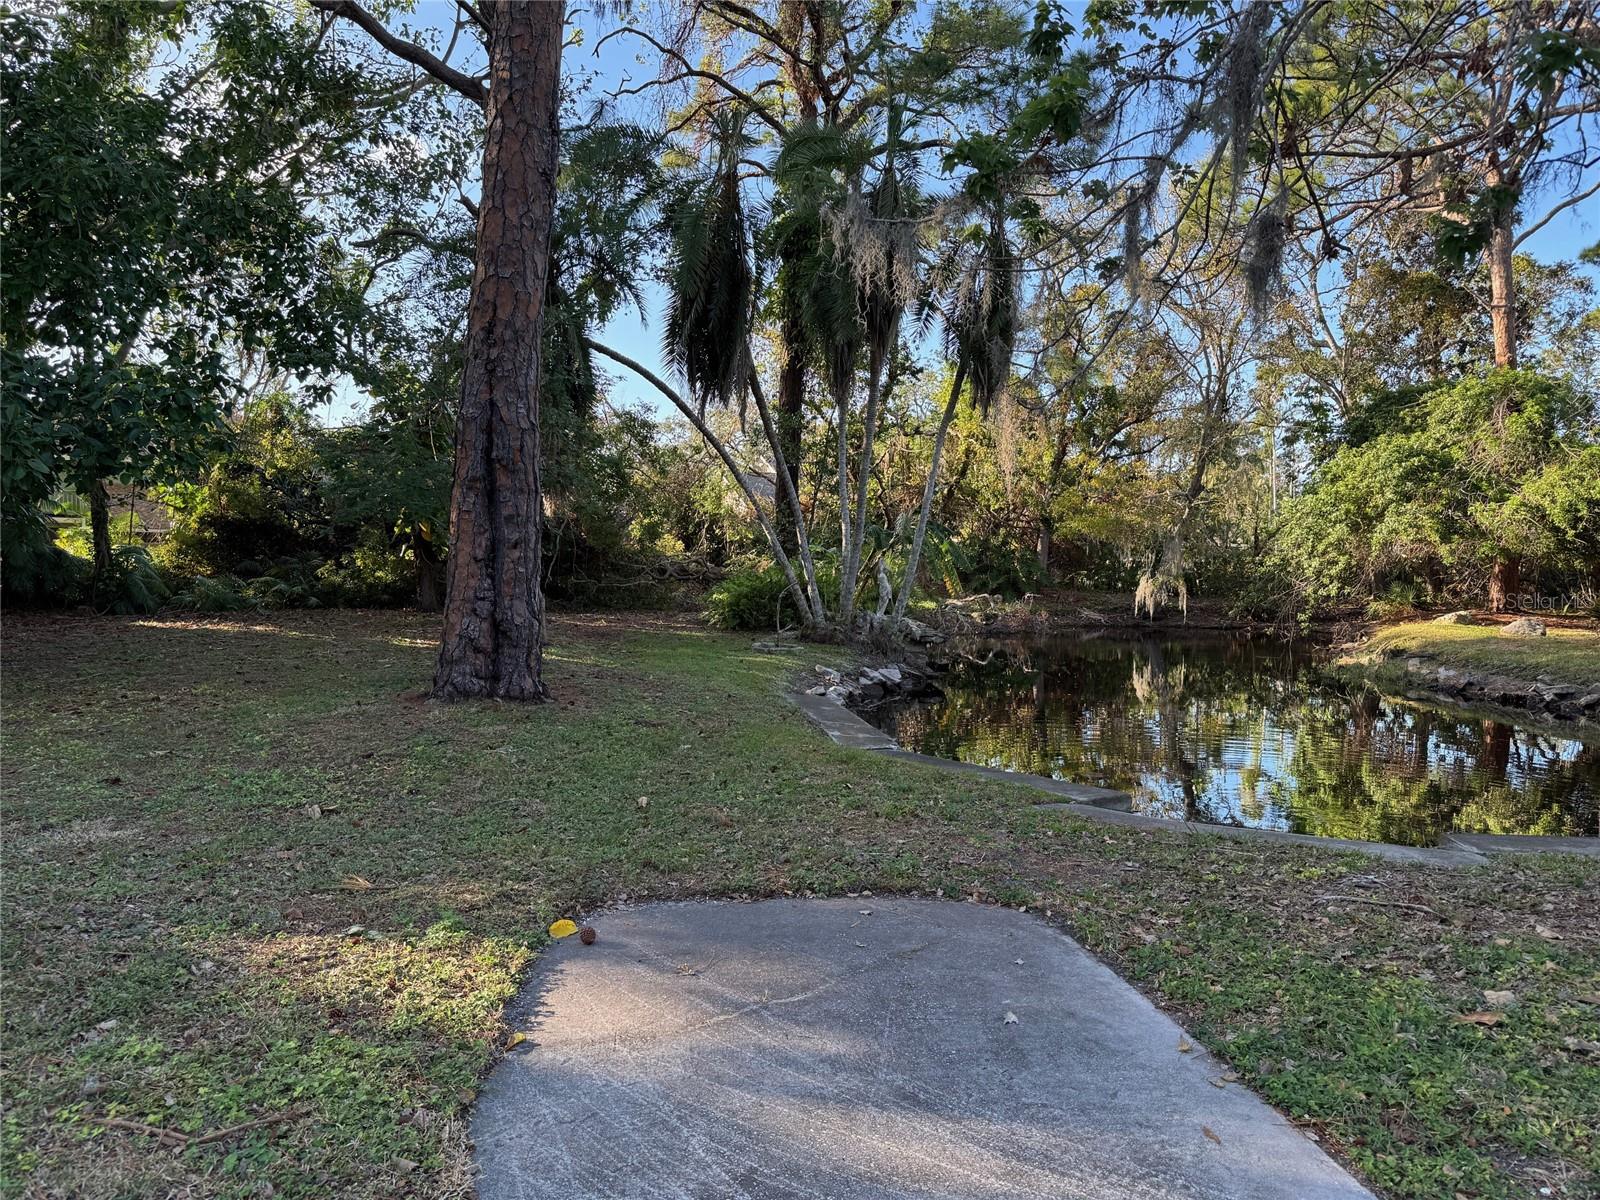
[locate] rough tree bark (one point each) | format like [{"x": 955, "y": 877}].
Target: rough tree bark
[
  {"x": 494, "y": 606},
  {"x": 100, "y": 531},
  {"x": 1502, "y": 285}
]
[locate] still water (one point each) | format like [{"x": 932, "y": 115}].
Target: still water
[{"x": 1251, "y": 732}]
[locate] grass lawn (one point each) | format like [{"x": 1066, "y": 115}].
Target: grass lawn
[
  {"x": 1564, "y": 655},
  {"x": 259, "y": 894}
]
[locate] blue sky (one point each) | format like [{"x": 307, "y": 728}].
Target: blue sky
[{"x": 601, "y": 69}]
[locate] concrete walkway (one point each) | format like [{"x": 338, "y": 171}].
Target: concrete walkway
[{"x": 854, "y": 1049}]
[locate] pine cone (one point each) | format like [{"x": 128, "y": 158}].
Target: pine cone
[{"x": 586, "y": 935}]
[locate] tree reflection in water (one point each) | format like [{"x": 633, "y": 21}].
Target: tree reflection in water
[{"x": 1250, "y": 732}]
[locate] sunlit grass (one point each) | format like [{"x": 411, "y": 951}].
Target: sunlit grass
[{"x": 1562, "y": 656}]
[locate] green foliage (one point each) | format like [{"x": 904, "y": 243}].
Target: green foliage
[
  {"x": 709, "y": 274},
  {"x": 134, "y": 585},
  {"x": 1438, "y": 483},
  {"x": 36, "y": 571},
  {"x": 758, "y": 598}
]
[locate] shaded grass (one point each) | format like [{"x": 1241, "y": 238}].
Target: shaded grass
[
  {"x": 1564, "y": 655},
  {"x": 189, "y": 944}
]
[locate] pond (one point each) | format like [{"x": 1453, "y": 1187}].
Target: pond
[{"x": 1250, "y": 732}]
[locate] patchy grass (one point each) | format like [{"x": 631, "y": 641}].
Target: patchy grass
[
  {"x": 194, "y": 812},
  {"x": 1564, "y": 655}
]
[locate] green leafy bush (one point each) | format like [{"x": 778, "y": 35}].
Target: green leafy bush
[{"x": 758, "y": 597}]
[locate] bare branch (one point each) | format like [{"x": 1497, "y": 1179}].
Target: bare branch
[{"x": 412, "y": 53}]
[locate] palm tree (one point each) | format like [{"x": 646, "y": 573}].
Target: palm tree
[{"x": 980, "y": 333}]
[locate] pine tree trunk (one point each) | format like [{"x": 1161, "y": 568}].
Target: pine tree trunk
[
  {"x": 1046, "y": 543},
  {"x": 100, "y": 531},
  {"x": 1502, "y": 294},
  {"x": 1505, "y": 581},
  {"x": 494, "y": 607}
]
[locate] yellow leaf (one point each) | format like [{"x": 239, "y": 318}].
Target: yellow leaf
[
  {"x": 563, "y": 928},
  {"x": 515, "y": 1039},
  {"x": 355, "y": 883}
]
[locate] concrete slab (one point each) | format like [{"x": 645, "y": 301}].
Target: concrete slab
[
  {"x": 1078, "y": 793},
  {"x": 842, "y": 725},
  {"x": 1513, "y": 843},
  {"x": 862, "y": 1050}
]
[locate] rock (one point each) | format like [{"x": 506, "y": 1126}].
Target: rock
[
  {"x": 837, "y": 694},
  {"x": 1523, "y": 627},
  {"x": 828, "y": 674},
  {"x": 918, "y": 632},
  {"x": 871, "y": 691},
  {"x": 1592, "y": 700},
  {"x": 819, "y": 690},
  {"x": 1459, "y": 617},
  {"x": 1559, "y": 691},
  {"x": 889, "y": 674},
  {"x": 1451, "y": 679}
]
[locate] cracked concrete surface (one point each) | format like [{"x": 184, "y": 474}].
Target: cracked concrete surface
[{"x": 861, "y": 1048}]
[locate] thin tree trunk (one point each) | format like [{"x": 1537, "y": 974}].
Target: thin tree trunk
[
  {"x": 858, "y": 537},
  {"x": 692, "y": 415},
  {"x": 841, "y": 406},
  {"x": 914, "y": 557},
  {"x": 429, "y": 596},
  {"x": 786, "y": 484},
  {"x": 100, "y": 531},
  {"x": 494, "y": 605},
  {"x": 1046, "y": 543},
  {"x": 791, "y": 413}
]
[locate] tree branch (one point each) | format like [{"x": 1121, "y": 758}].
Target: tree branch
[{"x": 412, "y": 53}]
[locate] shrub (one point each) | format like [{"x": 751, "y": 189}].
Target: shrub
[{"x": 758, "y": 597}]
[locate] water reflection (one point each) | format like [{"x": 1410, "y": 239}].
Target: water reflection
[{"x": 1249, "y": 732}]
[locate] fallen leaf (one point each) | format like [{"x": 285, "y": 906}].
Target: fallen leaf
[
  {"x": 563, "y": 928},
  {"x": 1184, "y": 1045},
  {"x": 1544, "y": 931},
  {"x": 355, "y": 883},
  {"x": 1230, "y": 1077},
  {"x": 1010, "y": 1019},
  {"x": 643, "y": 801},
  {"x": 314, "y": 811},
  {"x": 1581, "y": 1045},
  {"x": 1496, "y": 999},
  {"x": 1206, "y": 1129},
  {"x": 1479, "y": 1018},
  {"x": 516, "y": 1039},
  {"x": 1218, "y": 1083}
]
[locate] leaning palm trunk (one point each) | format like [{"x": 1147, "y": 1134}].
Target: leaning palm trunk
[
  {"x": 691, "y": 413},
  {"x": 786, "y": 483},
  {"x": 913, "y": 558},
  {"x": 851, "y": 567},
  {"x": 841, "y": 404}
]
